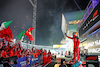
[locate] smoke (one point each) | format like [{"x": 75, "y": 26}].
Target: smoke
[
  {"x": 49, "y": 20},
  {"x": 56, "y": 33}
]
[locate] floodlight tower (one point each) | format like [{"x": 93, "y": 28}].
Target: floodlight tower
[{"x": 34, "y": 4}]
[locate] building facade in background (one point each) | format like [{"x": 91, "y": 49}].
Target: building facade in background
[{"x": 89, "y": 28}]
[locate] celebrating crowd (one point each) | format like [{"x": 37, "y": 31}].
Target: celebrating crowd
[{"x": 15, "y": 51}]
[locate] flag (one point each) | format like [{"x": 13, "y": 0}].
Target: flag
[
  {"x": 7, "y": 34},
  {"x": 30, "y": 37},
  {"x": 21, "y": 35},
  {"x": 5, "y": 24},
  {"x": 22, "y": 38},
  {"x": 31, "y": 28},
  {"x": 28, "y": 33},
  {"x": 1, "y": 28}
]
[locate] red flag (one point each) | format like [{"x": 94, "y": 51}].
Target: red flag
[
  {"x": 28, "y": 33},
  {"x": 7, "y": 33},
  {"x": 30, "y": 37},
  {"x": 31, "y": 28}
]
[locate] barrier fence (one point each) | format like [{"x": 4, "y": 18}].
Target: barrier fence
[{"x": 22, "y": 62}]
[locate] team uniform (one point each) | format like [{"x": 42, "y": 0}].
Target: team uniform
[{"x": 76, "y": 46}]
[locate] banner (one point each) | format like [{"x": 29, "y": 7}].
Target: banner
[
  {"x": 21, "y": 62},
  {"x": 34, "y": 60},
  {"x": 64, "y": 26},
  {"x": 93, "y": 18}
]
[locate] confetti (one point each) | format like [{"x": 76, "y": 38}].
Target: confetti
[
  {"x": 14, "y": 26},
  {"x": 26, "y": 16},
  {"x": 23, "y": 24},
  {"x": 22, "y": 27}
]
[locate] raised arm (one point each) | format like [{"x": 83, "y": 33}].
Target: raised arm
[{"x": 68, "y": 36}]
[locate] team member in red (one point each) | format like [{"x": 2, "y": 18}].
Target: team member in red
[
  {"x": 4, "y": 54},
  {"x": 38, "y": 52},
  {"x": 41, "y": 51},
  {"x": 76, "y": 45},
  {"x": 11, "y": 51},
  {"x": 19, "y": 52},
  {"x": 44, "y": 57},
  {"x": 49, "y": 56}
]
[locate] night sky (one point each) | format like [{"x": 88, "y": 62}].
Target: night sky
[
  {"x": 49, "y": 19},
  {"x": 20, "y": 12},
  {"x": 48, "y": 26}
]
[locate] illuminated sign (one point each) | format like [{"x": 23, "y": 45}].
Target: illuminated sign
[
  {"x": 89, "y": 22},
  {"x": 75, "y": 22},
  {"x": 93, "y": 47},
  {"x": 59, "y": 46},
  {"x": 95, "y": 43},
  {"x": 95, "y": 50},
  {"x": 93, "y": 18},
  {"x": 95, "y": 13},
  {"x": 91, "y": 58}
]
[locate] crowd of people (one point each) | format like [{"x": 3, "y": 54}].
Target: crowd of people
[{"x": 8, "y": 51}]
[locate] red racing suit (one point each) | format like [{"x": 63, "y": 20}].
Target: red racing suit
[
  {"x": 49, "y": 56},
  {"x": 44, "y": 58},
  {"x": 76, "y": 46},
  {"x": 11, "y": 51}
]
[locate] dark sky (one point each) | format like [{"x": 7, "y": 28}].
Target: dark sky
[
  {"x": 20, "y": 12},
  {"x": 49, "y": 19},
  {"x": 48, "y": 26}
]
